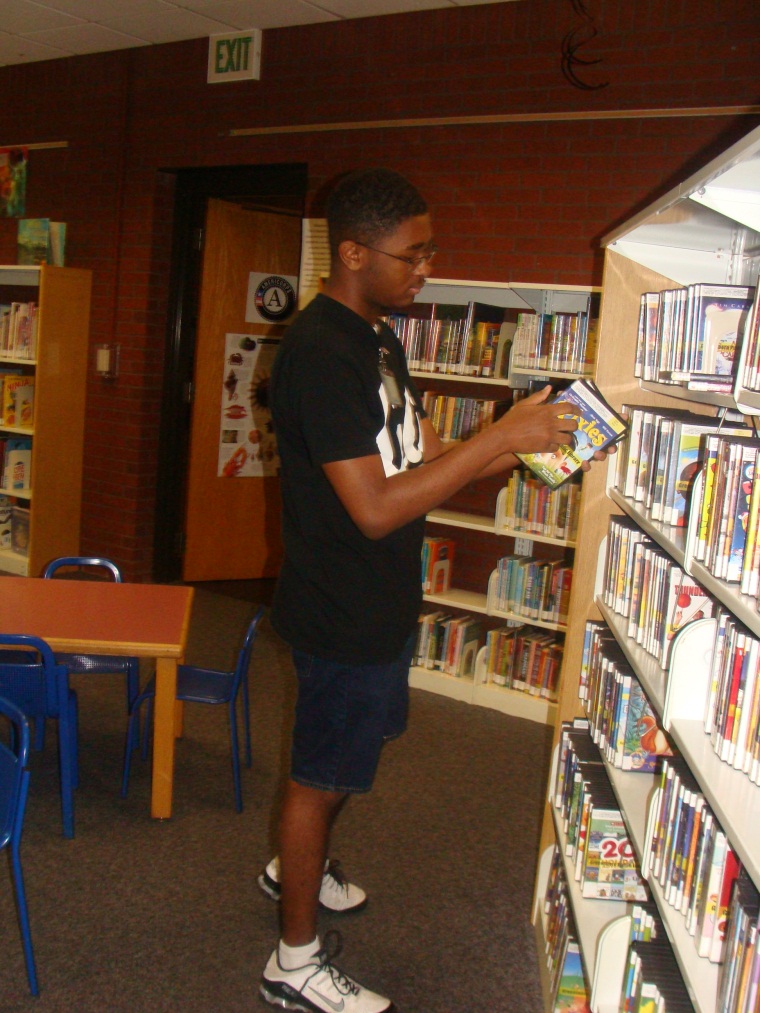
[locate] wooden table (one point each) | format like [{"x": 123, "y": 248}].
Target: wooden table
[{"x": 98, "y": 617}]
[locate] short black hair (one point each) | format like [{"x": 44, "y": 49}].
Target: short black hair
[{"x": 368, "y": 204}]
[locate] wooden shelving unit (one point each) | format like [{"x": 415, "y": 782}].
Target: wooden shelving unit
[{"x": 60, "y": 373}]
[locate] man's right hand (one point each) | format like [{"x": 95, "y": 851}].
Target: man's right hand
[{"x": 535, "y": 426}]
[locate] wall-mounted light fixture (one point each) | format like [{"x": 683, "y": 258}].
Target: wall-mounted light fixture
[{"x": 107, "y": 361}]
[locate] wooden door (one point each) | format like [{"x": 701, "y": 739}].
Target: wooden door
[{"x": 232, "y": 522}]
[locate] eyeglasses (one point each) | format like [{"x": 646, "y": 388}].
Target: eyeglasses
[{"x": 413, "y": 262}]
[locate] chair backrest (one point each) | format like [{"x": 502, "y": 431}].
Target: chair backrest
[
  {"x": 93, "y": 561},
  {"x": 13, "y": 760},
  {"x": 244, "y": 657},
  {"x": 31, "y": 685}
]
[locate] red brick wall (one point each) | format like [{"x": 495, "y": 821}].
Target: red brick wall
[{"x": 524, "y": 201}]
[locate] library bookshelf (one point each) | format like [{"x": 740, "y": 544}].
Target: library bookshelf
[
  {"x": 705, "y": 230},
  {"x": 540, "y": 299},
  {"x": 59, "y": 369}
]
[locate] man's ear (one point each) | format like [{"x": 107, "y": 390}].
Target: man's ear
[{"x": 351, "y": 254}]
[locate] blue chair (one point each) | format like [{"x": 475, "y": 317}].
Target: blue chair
[
  {"x": 209, "y": 686},
  {"x": 79, "y": 664},
  {"x": 39, "y": 687},
  {"x": 14, "y": 786}
]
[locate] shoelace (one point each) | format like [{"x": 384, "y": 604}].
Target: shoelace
[
  {"x": 330, "y": 949},
  {"x": 335, "y": 872}
]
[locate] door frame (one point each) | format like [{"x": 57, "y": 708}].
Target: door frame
[{"x": 277, "y": 187}]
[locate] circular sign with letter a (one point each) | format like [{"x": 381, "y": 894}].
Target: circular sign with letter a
[{"x": 275, "y": 298}]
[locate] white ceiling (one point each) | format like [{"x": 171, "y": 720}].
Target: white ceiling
[{"x": 48, "y": 29}]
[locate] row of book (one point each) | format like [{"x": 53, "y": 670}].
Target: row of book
[
  {"x": 661, "y": 455},
  {"x": 680, "y": 470},
  {"x": 621, "y": 720},
  {"x": 448, "y": 644},
  {"x": 726, "y": 509},
  {"x": 462, "y": 340},
  {"x": 644, "y": 586},
  {"x": 692, "y": 335},
  {"x": 532, "y": 588},
  {"x": 15, "y": 463},
  {"x": 596, "y": 839},
  {"x": 18, "y": 330},
  {"x": 530, "y": 506},
  {"x": 732, "y": 709},
  {"x": 739, "y": 983},
  {"x": 652, "y": 982},
  {"x": 555, "y": 342},
  {"x": 459, "y": 418},
  {"x": 16, "y": 398},
  {"x": 687, "y": 852},
  {"x": 568, "y": 990},
  {"x": 524, "y": 659}
]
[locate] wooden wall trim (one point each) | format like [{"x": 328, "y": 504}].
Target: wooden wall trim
[{"x": 686, "y": 112}]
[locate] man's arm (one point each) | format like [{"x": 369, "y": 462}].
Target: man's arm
[{"x": 379, "y": 505}]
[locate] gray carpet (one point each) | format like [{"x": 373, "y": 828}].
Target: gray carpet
[{"x": 141, "y": 915}]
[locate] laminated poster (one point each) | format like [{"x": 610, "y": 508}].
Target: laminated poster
[
  {"x": 13, "y": 182},
  {"x": 246, "y": 443}
]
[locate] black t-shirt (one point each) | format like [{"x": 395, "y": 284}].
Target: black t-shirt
[{"x": 340, "y": 595}]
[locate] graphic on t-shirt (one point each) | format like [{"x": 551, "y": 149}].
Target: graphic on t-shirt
[{"x": 400, "y": 439}]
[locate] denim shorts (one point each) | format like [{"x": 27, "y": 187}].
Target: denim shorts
[{"x": 344, "y": 714}]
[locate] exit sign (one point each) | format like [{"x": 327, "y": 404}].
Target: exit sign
[{"x": 235, "y": 57}]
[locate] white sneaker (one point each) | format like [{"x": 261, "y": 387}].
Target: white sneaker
[
  {"x": 336, "y": 893},
  {"x": 319, "y": 987}
]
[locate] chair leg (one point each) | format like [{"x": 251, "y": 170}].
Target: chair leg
[
  {"x": 247, "y": 720},
  {"x": 67, "y": 732},
  {"x": 129, "y": 746},
  {"x": 74, "y": 733},
  {"x": 133, "y": 683},
  {"x": 146, "y": 734},
  {"x": 39, "y": 734},
  {"x": 18, "y": 883},
  {"x": 133, "y": 735},
  {"x": 235, "y": 757}
]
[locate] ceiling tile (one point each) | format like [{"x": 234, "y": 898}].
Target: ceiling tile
[
  {"x": 171, "y": 26},
  {"x": 86, "y": 39},
  {"x": 14, "y": 49},
  {"x": 49, "y": 29},
  {"x": 263, "y": 13},
  {"x": 20, "y": 16},
  {"x": 371, "y": 8},
  {"x": 99, "y": 11}
]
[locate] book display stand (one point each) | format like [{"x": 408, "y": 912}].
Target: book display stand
[
  {"x": 46, "y": 510},
  {"x": 705, "y": 230},
  {"x": 538, "y": 299}
]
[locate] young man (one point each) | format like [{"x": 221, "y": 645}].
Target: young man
[{"x": 361, "y": 465}]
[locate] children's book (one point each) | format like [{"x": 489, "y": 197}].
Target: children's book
[
  {"x": 572, "y": 994},
  {"x": 644, "y": 742},
  {"x": 686, "y": 601},
  {"x": 41, "y": 241},
  {"x": 598, "y": 427}
]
